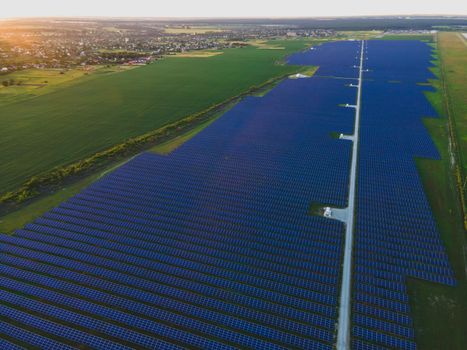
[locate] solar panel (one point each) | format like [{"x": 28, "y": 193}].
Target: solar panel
[{"x": 396, "y": 235}]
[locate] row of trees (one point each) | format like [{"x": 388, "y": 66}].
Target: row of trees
[{"x": 10, "y": 82}]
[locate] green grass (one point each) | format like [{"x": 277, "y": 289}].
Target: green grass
[
  {"x": 37, "y": 82},
  {"x": 359, "y": 34},
  {"x": 63, "y": 126},
  {"x": 453, "y": 53},
  {"x": 440, "y": 312},
  {"x": 193, "y": 30}
]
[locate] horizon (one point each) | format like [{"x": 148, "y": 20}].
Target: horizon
[
  {"x": 404, "y": 15},
  {"x": 238, "y": 18},
  {"x": 241, "y": 9}
]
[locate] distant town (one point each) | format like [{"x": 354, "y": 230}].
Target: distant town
[{"x": 69, "y": 43}]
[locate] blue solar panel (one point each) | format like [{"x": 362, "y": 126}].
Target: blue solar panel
[
  {"x": 395, "y": 235},
  {"x": 7, "y": 345},
  {"x": 76, "y": 336},
  {"x": 30, "y": 337},
  {"x": 358, "y": 344}
]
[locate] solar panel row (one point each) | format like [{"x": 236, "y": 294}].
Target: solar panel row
[{"x": 396, "y": 235}]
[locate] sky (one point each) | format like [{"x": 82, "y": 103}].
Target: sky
[{"x": 231, "y": 8}]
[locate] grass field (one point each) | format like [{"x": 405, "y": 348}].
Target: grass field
[
  {"x": 454, "y": 56},
  {"x": 192, "y": 30},
  {"x": 199, "y": 54},
  {"x": 440, "y": 312},
  {"x": 266, "y": 45},
  {"x": 37, "y": 82},
  {"x": 359, "y": 34},
  {"x": 69, "y": 124}
]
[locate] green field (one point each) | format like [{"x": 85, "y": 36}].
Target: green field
[
  {"x": 440, "y": 312},
  {"x": 36, "y": 82},
  {"x": 359, "y": 34},
  {"x": 69, "y": 124},
  {"x": 453, "y": 50},
  {"x": 192, "y": 30}
]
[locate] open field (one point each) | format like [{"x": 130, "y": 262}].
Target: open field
[
  {"x": 359, "y": 34},
  {"x": 199, "y": 54},
  {"x": 440, "y": 312},
  {"x": 193, "y": 30},
  {"x": 37, "y": 82},
  {"x": 266, "y": 45},
  {"x": 454, "y": 59}
]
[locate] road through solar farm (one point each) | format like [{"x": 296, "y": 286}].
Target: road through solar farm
[{"x": 214, "y": 246}]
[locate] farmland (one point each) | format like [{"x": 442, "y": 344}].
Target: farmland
[
  {"x": 36, "y": 82},
  {"x": 193, "y": 30},
  {"x": 69, "y": 124}
]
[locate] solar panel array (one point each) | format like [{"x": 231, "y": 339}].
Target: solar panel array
[
  {"x": 335, "y": 59},
  {"x": 395, "y": 236},
  {"x": 211, "y": 247}
]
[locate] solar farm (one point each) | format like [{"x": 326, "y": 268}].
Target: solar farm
[{"x": 213, "y": 246}]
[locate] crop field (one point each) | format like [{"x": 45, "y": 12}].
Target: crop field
[
  {"x": 69, "y": 124},
  {"x": 199, "y": 54},
  {"x": 36, "y": 82},
  {"x": 267, "y": 45},
  {"x": 193, "y": 30},
  {"x": 359, "y": 34}
]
